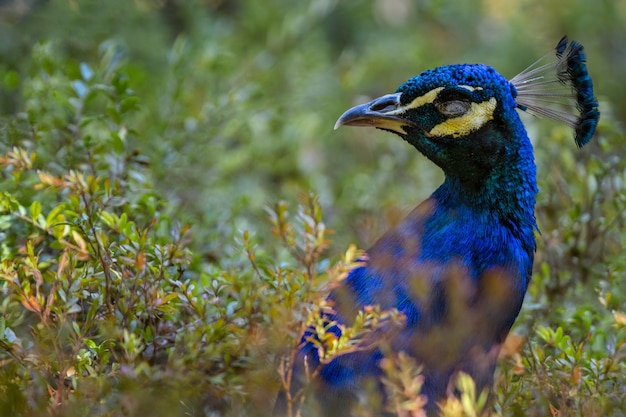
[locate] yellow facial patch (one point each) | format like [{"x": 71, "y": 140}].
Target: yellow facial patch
[
  {"x": 474, "y": 119},
  {"x": 393, "y": 125},
  {"x": 477, "y": 115}
]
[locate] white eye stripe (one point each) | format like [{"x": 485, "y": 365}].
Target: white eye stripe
[
  {"x": 427, "y": 98},
  {"x": 475, "y": 117},
  {"x": 470, "y": 88},
  {"x": 419, "y": 101}
]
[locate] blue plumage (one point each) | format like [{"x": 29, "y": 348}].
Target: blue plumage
[{"x": 459, "y": 264}]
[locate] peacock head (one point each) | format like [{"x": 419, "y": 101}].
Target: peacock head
[{"x": 463, "y": 117}]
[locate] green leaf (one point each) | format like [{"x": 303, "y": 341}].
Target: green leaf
[
  {"x": 117, "y": 143},
  {"x": 75, "y": 326},
  {"x": 11, "y": 80},
  {"x": 54, "y": 215},
  {"x": 108, "y": 218},
  {"x": 35, "y": 210},
  {"x": 129, "y": 104},
  {"x": 113, "y": 114}
]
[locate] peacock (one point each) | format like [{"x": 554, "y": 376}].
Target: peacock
[{"x": 458, "y": 266}]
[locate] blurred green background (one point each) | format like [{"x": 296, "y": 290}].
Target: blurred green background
[{"x": 238, "y": 98}]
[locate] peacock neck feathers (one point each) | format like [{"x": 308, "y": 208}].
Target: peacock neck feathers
[
  {"x": 487, "y": 220},
  {"x": 500, "y": 185},
  {"x": 506, "y": 192}
]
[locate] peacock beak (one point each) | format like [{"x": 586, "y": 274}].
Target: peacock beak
[{"x": 381, "y": 113}]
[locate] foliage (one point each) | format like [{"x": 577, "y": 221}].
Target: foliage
[{"x": 139, "y": 275}]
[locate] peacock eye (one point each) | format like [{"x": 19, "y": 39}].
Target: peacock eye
[{"x": 453, "y": 108}]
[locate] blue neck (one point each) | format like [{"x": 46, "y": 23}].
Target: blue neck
[
  {"x": 505, "y": 187},
  {"x": 498, "y": 208},
  {"x": 507, "y": 195}
]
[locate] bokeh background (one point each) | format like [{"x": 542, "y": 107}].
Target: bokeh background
[{"x": 238, "y": 98}]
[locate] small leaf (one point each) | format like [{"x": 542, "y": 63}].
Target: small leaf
[
  {"x": 164, "y": 300},
  {"x": 75, "y": 326},
  {"x": 113, "y": 114},
  {"x": 55, "y": 215},
  {"x": 80, "y": 88},
  {"x": 79, "y": 241},
  {"x": 31, "y": 304},
  {"x": 11, "y": 80},
  {"x": 85, "y": 71},
  {"x": 10, "y": 336},
  {"x": 108, "y": 218},
  {"x": 117, "y": 143},
  {"x": 128, "y": 104},
  {"x": 74, "y": 308},
  {"x": 35, "y": 210}
]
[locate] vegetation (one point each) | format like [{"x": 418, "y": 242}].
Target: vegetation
[{"x": 170, "y": 181}]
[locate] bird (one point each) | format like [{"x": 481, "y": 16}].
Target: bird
[{"x": 458, "y": 266}]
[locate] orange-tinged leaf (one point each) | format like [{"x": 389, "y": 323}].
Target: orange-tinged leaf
[
  {"x": 48, "y": 179},
  {"x": 512, "y": 345},
  {"x": 79, "y": 241},
  {"x": 38, "y": 279},
  {"x": 31, "y": 304},
  {"x": 576, "y": 376},
  {"x": 62, "y": 263},
  {"x": 140, "y": 262},
  {"x": 164, "y": 300}
]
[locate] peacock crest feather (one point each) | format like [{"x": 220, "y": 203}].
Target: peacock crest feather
[{"x": 560, "y": 89}]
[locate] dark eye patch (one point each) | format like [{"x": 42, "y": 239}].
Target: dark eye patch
[
  {"x": 453, "y": 102},
  {"x": 452, "y": 94}
]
